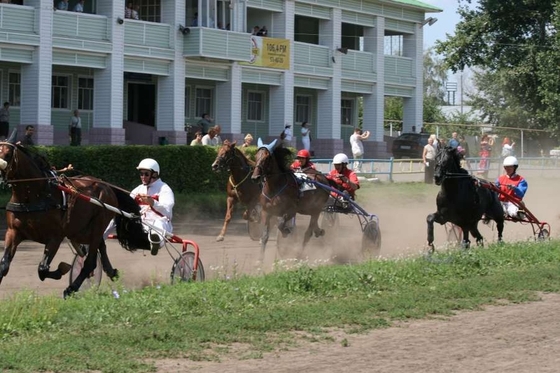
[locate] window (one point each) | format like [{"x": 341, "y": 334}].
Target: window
[
  {"x": 347, "y": 111},
  {"x": 393, "y": 45},
  {"x": 255, "y": 106},
  {"x": 60, "y": 92},
  {"x": 303, "y": 109},
  {"x": 85, "y": 93},
  {"x": 204, "y": 99},
  {"x": 150, "y": 10},
  {"x": 14, "y": 88},
  {"x": 187, "y": 102}
]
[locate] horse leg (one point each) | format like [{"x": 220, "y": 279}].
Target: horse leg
[
  {"x": 229, "y": 211},
  {"x": 430, "y": 219},
  {"x": 312, "y": 228},
  {"x": 500, "y": 227},
  {"x": 477, "y": 235},
  {"x": 316, "y": 229},
  {"x": 11, "y": 242},
  {"x": 466, "y": 243},
  {"x": 264, "y": 237},
  {"x": 89, "y": 266},
  {"x": 111, "y": 272},
  {"x": 51, "y": 248}
]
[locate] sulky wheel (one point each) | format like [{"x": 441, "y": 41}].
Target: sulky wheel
[
  {"x": 371, "y": 240},
  {"x": 183, "y": 268},
  {"x": 94, "y": 278},
  {"x": 544, "y": 234},
  {"x": 254, "y": 224}
]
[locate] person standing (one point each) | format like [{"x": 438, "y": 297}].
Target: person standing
[
  {"x": 453, "y": 141},
  {"x": 357, "y": 147},
  {"x": 287, "y": 133},
  {"x": 28, "y": 137},
  {"x": 76, "y": 129},
  {"x": 429, "y": 159},
  {"x": 79, "y": 7},
  {"x": 205, "y": 123},
  {"x": 62, "y": 5},
  {"x": 135, "y": 12},
  {"x": 305, "y": 136},
  {"x": 5, "y": 120},
  {"x": 486, "y": 143},
  {"x": 507, "y": 147}
]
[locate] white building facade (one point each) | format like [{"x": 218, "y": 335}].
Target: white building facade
[{"x": 138, "y": 81}]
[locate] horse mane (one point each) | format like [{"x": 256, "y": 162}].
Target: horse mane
[
  {"x": 38, "y": 159},
  {"x": 243, "y": 156},
  {"x": 283, "y": 157},
  {"x": 130, "y": 232}
]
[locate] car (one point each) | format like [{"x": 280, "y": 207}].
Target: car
[{"x": 410, "y": 145}]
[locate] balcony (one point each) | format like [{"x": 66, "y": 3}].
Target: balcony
[
  {"x": 399, "y": 70},
  {"x": 312, "y": 59},
  {"x": 148, "y": 39},
  {"x": 215, "y": 43},
  {"x": 79, "y": 31},
  {"x": 358, "y": 66},
  {"x": 17, "y": 25}
]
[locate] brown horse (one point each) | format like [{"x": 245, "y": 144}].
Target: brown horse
[
  {"x": 40, "y": 212},
  {"x": 281, "y": 194},
  {"x": 239, "y": 186}
]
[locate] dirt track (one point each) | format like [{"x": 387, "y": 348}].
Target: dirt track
[{"x": 514, "y": 338}]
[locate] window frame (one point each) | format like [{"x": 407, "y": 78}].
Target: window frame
[
  {"x": 352, "y": 102},
  {"x": 19, "y": 84},
  {"x": 310, "y": 109},
  {"x": 144, "y": 12},
  {"x": 198, "y": 115},
  {"x": 69, "y": 87},
  {"x": 262, "y": 106},
  {"x": 92, "y": 92},
  {"x": 187, "y": 101}
]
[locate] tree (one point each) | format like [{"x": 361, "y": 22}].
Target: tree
[{"x": 515, "y": 44}]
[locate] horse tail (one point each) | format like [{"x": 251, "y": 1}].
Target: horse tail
[{"x": 130, "y": 231}]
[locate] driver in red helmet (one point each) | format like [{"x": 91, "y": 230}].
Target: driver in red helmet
[{"x": 302, "y": 162}]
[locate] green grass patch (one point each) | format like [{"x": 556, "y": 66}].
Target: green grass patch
[{"x": 202, "y": 321}]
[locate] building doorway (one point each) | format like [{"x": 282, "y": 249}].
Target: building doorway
[{"x": 141, "y": 103}]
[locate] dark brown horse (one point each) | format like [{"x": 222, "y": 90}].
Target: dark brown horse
[
  {"x": 40, "y": 212},
  {"x": 281, "y": 194},
  {"x": 239, "y": 185}
]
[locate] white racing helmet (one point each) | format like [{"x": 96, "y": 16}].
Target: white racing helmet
[
  {"x": 340, "y": 158},
  {"x": 510, "y": 161},
  {"x": 148, "y": 164}
]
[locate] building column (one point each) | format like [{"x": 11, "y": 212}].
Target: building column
[
  {"x": 327, "y": 136},
  {"x": 413, "y": 113},
  {"x": 228, "y": 105},
  {"x": 171, "y": 89},
  {"x": 374, "y": 104},
  {"x": 108, "y": 83},
  {"x": 282, "y": 97},
  {"x": 36, "y": 78}
]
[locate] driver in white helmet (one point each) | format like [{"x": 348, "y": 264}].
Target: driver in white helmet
[
  {"x": 513, "y": 185},
  {"x": 343, "y": 176},
  {"x": 156, "y": 200}
]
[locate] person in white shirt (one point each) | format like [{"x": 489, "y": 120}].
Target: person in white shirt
[
  {"x": 305, "y": 136},
  {"x": 208, "y": 139},
  {"x": 156, "y": 200},
  {"x": 217, "y": 140},
  {"x": 358, "y": 147},
  {"x": 79, "y": 7}
]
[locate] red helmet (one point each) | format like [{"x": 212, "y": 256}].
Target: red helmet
[{"x": 303, "y": 153}]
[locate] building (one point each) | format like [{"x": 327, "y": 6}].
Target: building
[{"x": 136, "y": 81}]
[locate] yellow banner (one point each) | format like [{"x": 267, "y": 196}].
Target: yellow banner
[{"x": 269, "y": 52}]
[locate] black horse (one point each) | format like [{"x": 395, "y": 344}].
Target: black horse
[{"x": 463, "y": 200}]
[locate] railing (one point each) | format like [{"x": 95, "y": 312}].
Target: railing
[
  {"x": 17, "y": 18},
  {"x": 149, "y": 34},
  {"x": 311, "y": 54},
  {"x": 80, "y": 25},
  {"x": 215, "y": 43}
]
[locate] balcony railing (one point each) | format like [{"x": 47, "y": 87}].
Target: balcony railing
[
  {"x": 80, "y": 26},
  {"x": 358, "y": 65},
  {"x": 312, "y": 59},
  {"x": 149, "y": 34},
  {"x": 399, "y": 70},
  {"x": 17, "y": 18},
  {"x": 215, "y": 43}
]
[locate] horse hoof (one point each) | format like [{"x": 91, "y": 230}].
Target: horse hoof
[
  {"x": 67, "y": 292},
  {"x": 219, "y": 238},
  {"x": 114, "y": 276},
  {"x": 64, "y": 268}
]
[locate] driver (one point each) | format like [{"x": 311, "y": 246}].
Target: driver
[
  {"x": 156, "y": 200},
  {"x": 511, "y": 184},
  {"x": 302, "y": 162},
  {"x": 346, "y": 179}
]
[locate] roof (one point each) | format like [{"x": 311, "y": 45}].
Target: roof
[{"x": 417, "y": 4}]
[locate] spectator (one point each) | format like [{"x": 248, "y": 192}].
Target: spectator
[
  {"x": 205, "y": 123},
  {"x": 507, "y": 147},
  {"x": 197, "y": 139},
  {"x": 28, "y": 137},
  {"x": 256, "y": 30},
  {"x": 208, "y": 138},
  {"x": 248, "y": 140},
  {"x": 135, "y": 12},
  {"x": 217, "y": 140},
  {"x": 465, "y": 145},
  {"x": 263, "y": 31},
  {"x": 76, "y": 129},
  {"x": 453, "y": 141},
  {"x": 128, "y": 11},
  {"x": 62, "y": 5},
  {"x": 435, "y": 142},
  {"x": 306, "y": 136},
  {"x": 79, "y": 7},
  {"x": 358, "y": 147},
  {"x": 194, "y": 22},
  {"x": 5, "y": 121},
  {"x": 429, "y": 159},
  {"x": 486, "y": 143},
  {"x": 286, "y": 135}
]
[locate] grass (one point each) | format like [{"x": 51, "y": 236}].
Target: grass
[{"x": 202, "y": 321}]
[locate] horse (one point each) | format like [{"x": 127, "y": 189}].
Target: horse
[
  {"x": 281, "y": 196},
  {"x": 463, "y": 200},
  {"x": 239, "y": 186},
  {"x": 38, "y": 210}
]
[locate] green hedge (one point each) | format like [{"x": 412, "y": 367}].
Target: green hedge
[{"x": 185, "y": 168}]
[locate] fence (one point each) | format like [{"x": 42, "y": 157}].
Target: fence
[{"x": 407, "y": 169}]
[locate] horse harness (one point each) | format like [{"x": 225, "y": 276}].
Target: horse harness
[{"x": 48, "y": 202}]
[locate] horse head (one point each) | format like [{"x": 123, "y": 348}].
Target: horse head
[
  {"x": 225, "y": 156},
  {"x": 448, "y": 161},
  {"x": 263, "y": 160},
  {"x": 7, "y": 152}
]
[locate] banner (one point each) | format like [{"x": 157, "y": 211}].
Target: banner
[{"x": 269, "y": 52}]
